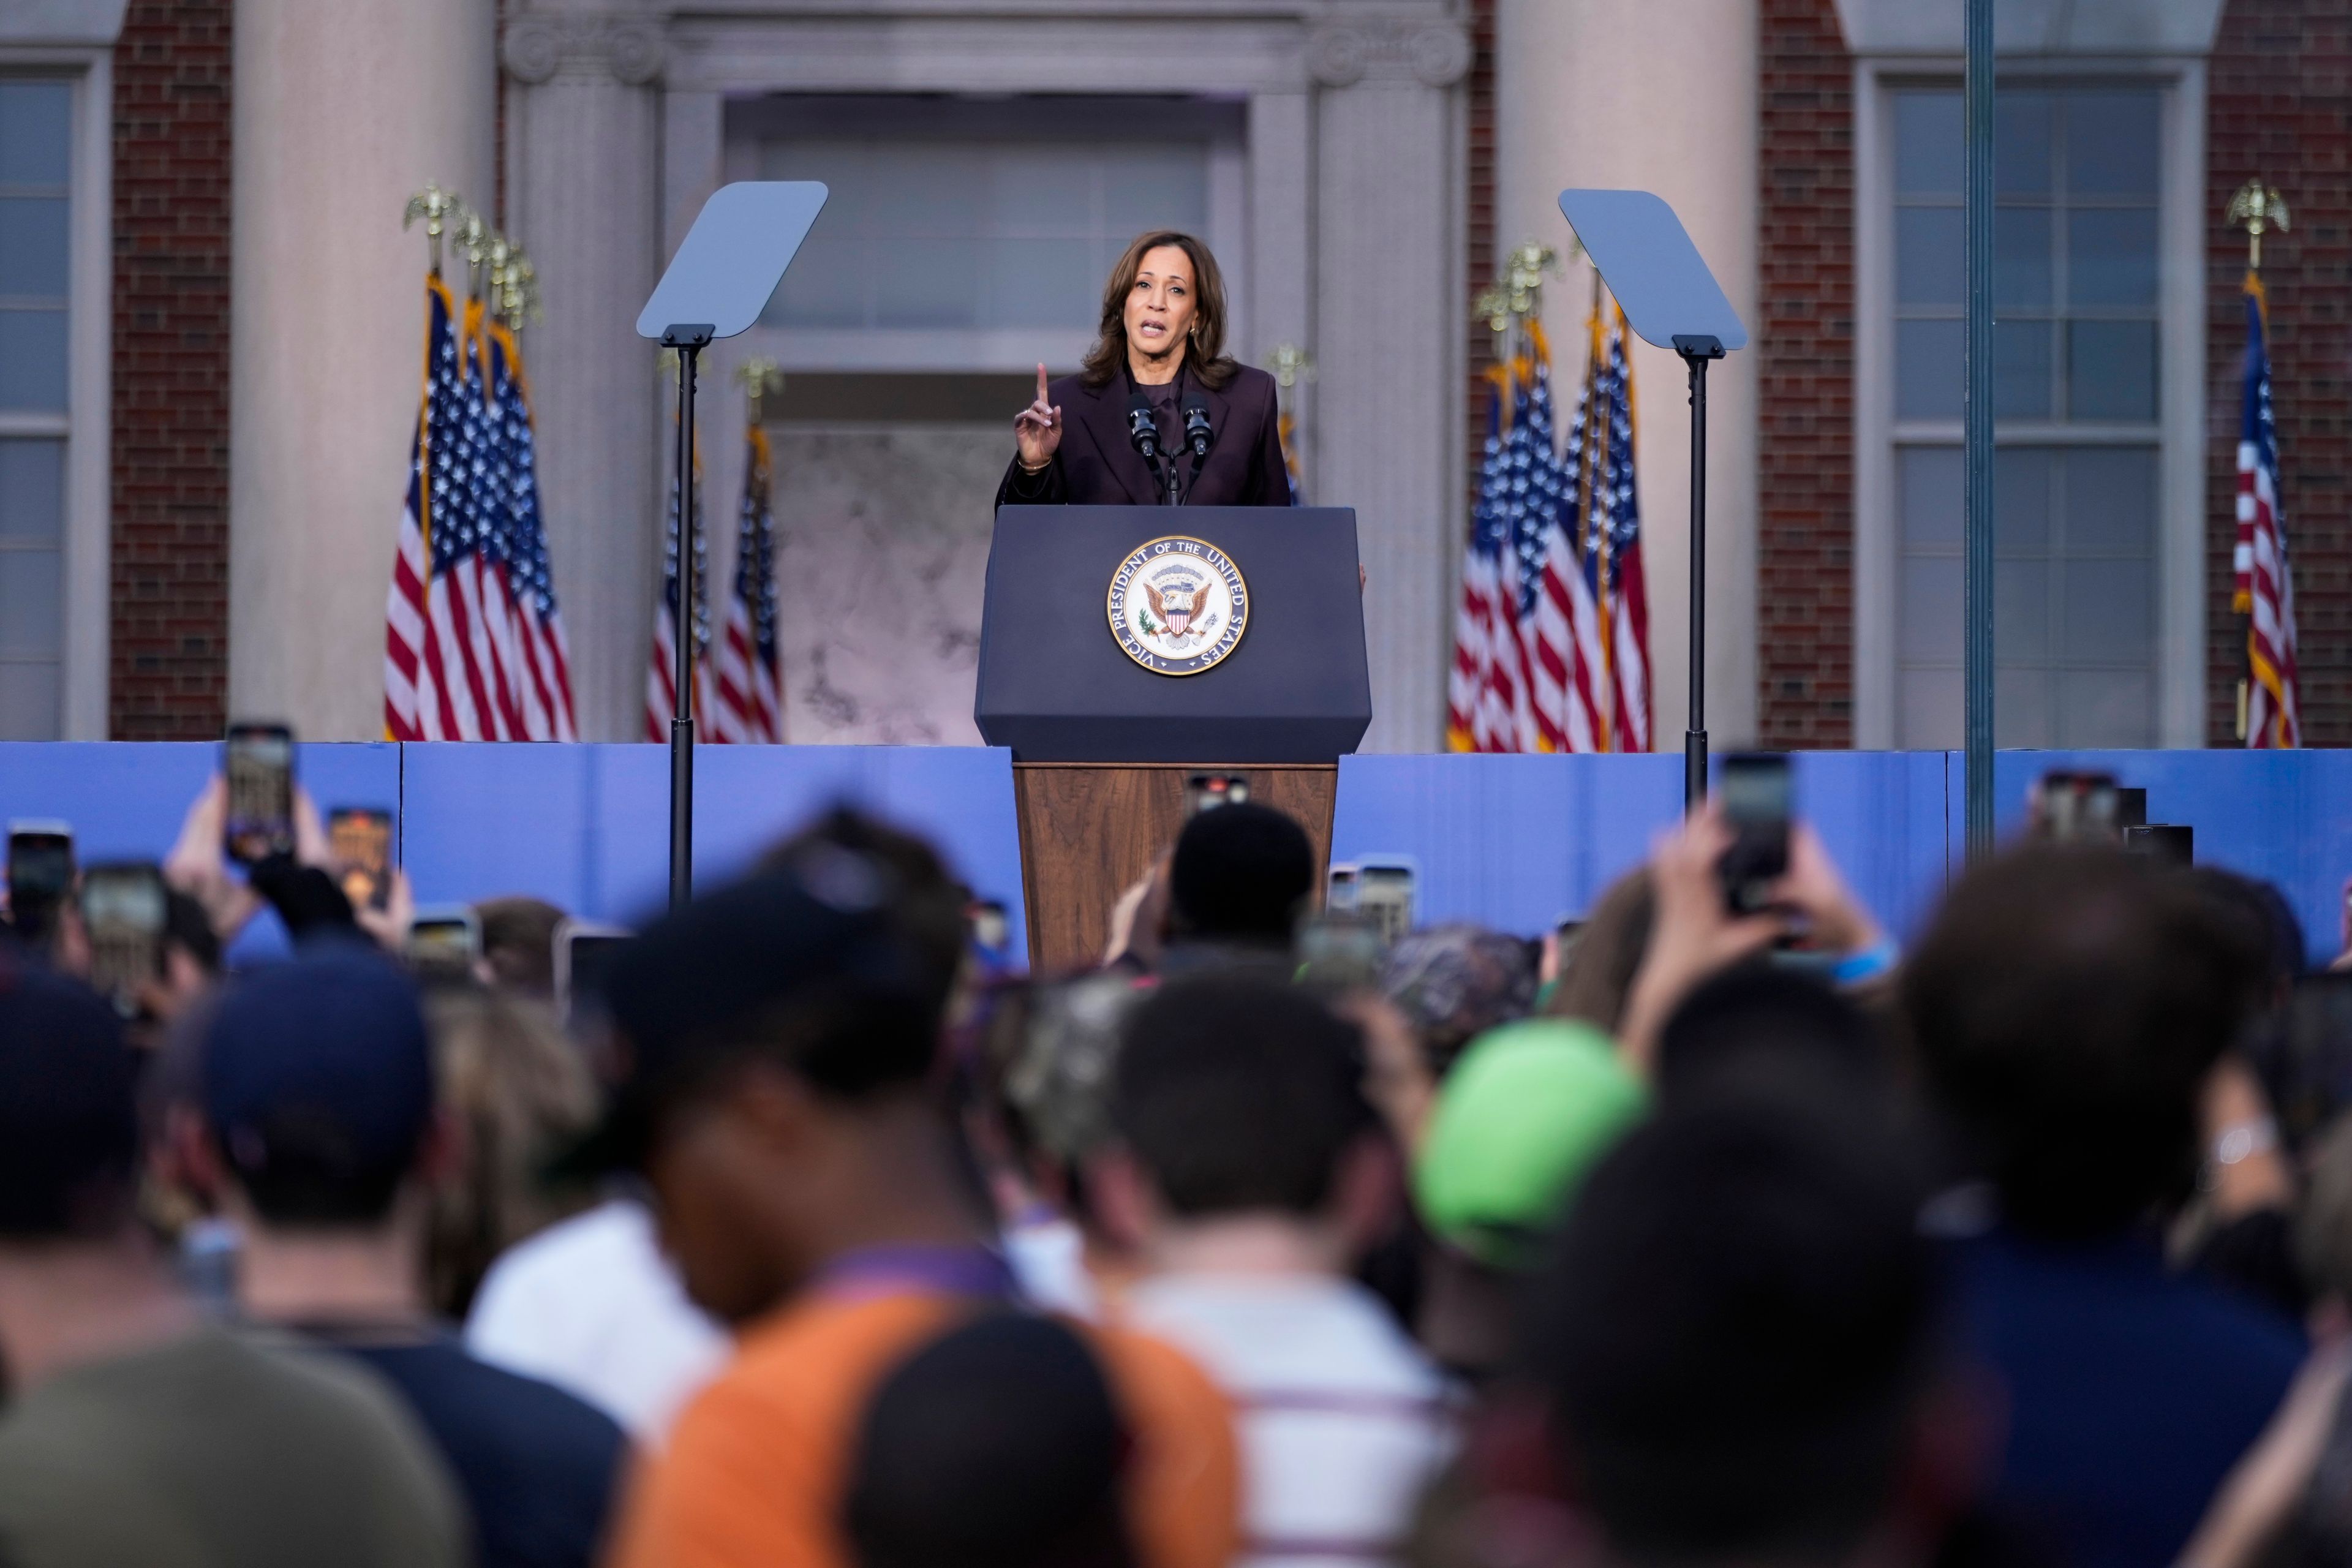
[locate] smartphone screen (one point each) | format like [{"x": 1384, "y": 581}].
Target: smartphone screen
[
  {"x": 2307, "y": 1065},
  {"x": 990, "y": 929},
  {"x": 1340, "y": 950},
  {"x": 122, "y": 906},
  {"x": 1758, "y": 796},
  {"x": 41, "y": 875},
  {"x": 1339, "y": 890},
  {"x": 2173, "y": 843},
  {"x": 1384, "y": 896},
  {"x": 2070, "y": 807},
  {"x": 259, "y": 762},
  {"x": 584, "y": 957},
  {"x": 443, "y": 942},
  {"x": 360, "y": 840},
  {"x": 1205, "y": 792}
]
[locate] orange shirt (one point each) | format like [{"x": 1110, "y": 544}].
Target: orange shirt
[{"x": 755, "y": 1469}]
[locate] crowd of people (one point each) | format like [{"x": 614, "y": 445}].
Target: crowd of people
[{"x": 1712, "y": 1231}]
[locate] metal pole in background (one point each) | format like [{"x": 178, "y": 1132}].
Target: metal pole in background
[
  {"x": 688, "y": 340},
  {"x": 1977, "y": 490},
  {"x": 1696, "y": 350}
]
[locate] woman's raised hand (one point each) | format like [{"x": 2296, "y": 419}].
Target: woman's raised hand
[{"x": 1038, "y": 428}]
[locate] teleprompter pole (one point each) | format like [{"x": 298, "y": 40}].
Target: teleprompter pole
[
  {"x": 689, "y": 341},
  {"x": 1696, "y": 350}
]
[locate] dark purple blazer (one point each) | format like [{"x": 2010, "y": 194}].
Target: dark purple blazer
[{"x": 1096, "y": 465}]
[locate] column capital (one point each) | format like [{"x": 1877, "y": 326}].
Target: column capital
[
  {"x": 626, "y": 45},
  {"x": 1431, "y": 50}
]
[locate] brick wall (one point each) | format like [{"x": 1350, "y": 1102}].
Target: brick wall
[
  {"x": 1804, "y": 348},
  {"x": 1478, "y": 270},
  {"x": 2280, "y": 106},
  {"x": 169, "y": 618}
]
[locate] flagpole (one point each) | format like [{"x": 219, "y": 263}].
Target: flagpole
[
  {"x": 2256, "y": 207},
  {"x": 1977, "y": 485}
]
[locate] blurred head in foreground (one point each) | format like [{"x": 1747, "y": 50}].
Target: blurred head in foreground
[
  {"x": 777, "y": 1042},
  {"x": 1240, "y": 874},
  {"x": 68, "y": 1118},
  {"x": 1237, "y": 1098},
  {"x": 2068, "y": 1007},
  {"x": 1736, "y": 1341},
  {"x": 997, "y": 1446}
]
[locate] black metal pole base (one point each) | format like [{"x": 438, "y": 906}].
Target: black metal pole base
[
  {"x": 1696, "y": 352},
  {"x": 681, "y": 811},
  {"x": 689, "y": 340}
]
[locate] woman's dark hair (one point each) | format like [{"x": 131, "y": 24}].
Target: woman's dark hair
[
  {"x": 1598, "y": 976},
  {"x": 1205, "y": 353}
]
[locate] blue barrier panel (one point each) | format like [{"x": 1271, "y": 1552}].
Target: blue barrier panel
[
  {"x": 1515, "y": 842},
  {"x": 587, "y": 826},
  {"x": 126, "y": 801},
  {"x": 2283, "y": 816},
  {"x": 1512, "y": 842}
]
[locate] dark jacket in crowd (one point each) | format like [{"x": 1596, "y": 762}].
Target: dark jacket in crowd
[
  {"x": 1097, "y": 466},
  {"x": 2131, "y": 1390}
]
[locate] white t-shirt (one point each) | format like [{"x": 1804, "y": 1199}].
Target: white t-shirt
[
  {"x": 591, "y": 1306},
  {"x": 1343, "y": 1420},
  {"x": 1048, "y": 1258}
]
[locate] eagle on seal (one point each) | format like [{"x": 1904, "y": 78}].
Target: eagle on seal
[{"x": 1176, "y": 607}]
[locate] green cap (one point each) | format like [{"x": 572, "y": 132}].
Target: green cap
[{"x": 1527, "y": 1111}]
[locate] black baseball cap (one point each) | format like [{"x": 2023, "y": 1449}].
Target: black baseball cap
[
  {"x": 331, "y": 1043},
  {"x": 692, "y": 989},
  {"x": 69, "y": 1104}
]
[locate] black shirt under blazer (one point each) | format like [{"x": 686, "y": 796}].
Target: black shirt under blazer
[{"x": 1096, "y": 466}]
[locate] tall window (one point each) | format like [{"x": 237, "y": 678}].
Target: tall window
[
  {"x": 2076, "y": 355},
  {"x": 35, "y": 210},
  {"x": 975, "y": 234}
]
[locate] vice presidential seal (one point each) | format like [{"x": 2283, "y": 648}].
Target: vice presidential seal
[{"x": 1178, "y": 606}]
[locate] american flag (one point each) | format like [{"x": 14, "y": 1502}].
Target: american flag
[
  {"x": 750, "y": 698},
  {"x": 2266, "y": 588},
  {"x": 545, "y": 684},
  {"x": 1489, "y": 698},
  {"x": 1480, "y": 575},
  {"x": 1616, "y": 537},
  {"x": 1551, "y": 635},
  {"x": 661, "y": 684},
  {"x": 462, "y": 660}
]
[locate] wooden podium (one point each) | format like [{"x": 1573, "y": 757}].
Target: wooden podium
[
  {"x": 1102, "y": 744},
  {"x": 1089, "y": 831}
]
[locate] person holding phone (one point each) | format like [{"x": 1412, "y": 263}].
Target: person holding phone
[{"x": 1157, "y": 376}]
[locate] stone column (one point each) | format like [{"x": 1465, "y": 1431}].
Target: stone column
[
  {"x": 341, "y": 111},
  {"x": 1593, "y": 92},
  {"x": 1388, "y": 342},
  {"x": 1282, "y": 251},
  {"x": 583, "y": 163}
]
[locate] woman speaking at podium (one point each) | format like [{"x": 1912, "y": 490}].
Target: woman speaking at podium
[{"x": 1160, "y": 415}]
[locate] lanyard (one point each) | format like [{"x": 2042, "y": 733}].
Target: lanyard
[{"x": 968, "y": 1270}]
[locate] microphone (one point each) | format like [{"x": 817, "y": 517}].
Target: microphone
[
  {"x": 1143, "y": 432},
  {"x": 1198, "y": 433},
  {"x": 1142, "y": 429}
]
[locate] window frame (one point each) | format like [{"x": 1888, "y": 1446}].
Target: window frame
[
  {"x": 1218, "y": 124},
  {"x": 86, "y": 425},
  {"x": 2179, "y": 661}
]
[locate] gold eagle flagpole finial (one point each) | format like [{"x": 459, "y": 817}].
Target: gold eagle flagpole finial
[
  {"x": 517, "y": 288},
  {"x": 762, "y": 378},
  {"x": 439, "y": 209},
  {"x": 2256, "y": 207}
]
